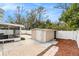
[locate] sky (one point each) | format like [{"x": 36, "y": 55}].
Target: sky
[{"x": 10, "y": 8}]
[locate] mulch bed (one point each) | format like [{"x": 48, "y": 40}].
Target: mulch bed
[{"x": 67, "y": 48}]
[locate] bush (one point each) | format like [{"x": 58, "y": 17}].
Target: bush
[{"x": 22, "y": 38}]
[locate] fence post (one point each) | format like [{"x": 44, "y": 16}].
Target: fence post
[{"x": 77, "y": 40}]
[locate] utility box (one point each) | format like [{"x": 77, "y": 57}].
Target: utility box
[{"x": 42, "y": 35}]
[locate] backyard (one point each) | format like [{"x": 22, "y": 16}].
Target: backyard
[
  {"x": 42, "y": 29},
  {"x": 30, "y": 47}
]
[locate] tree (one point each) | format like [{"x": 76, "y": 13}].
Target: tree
[
  {"x": 35, "y": 17},
  {"x": 71, "y": 16},
  {"x": 10, "y": 19},
  {"x": 1, "y": 13},
  {"x": 31, "y": 18},
  {"x": 40, "y": 12},
  {"x": 19, "y": 17}
]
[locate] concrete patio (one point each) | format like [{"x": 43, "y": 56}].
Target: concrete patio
[{"x": 26, "y": 47}]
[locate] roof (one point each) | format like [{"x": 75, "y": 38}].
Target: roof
[{"x": 8, "y": 24}]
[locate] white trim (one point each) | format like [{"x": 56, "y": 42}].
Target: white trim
[{"x": 8, "y": 24}]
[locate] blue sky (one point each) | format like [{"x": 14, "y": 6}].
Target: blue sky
[{"x": 52, "y": 12}]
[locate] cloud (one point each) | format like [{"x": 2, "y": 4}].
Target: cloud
[{"x": 9, "y": 7}]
